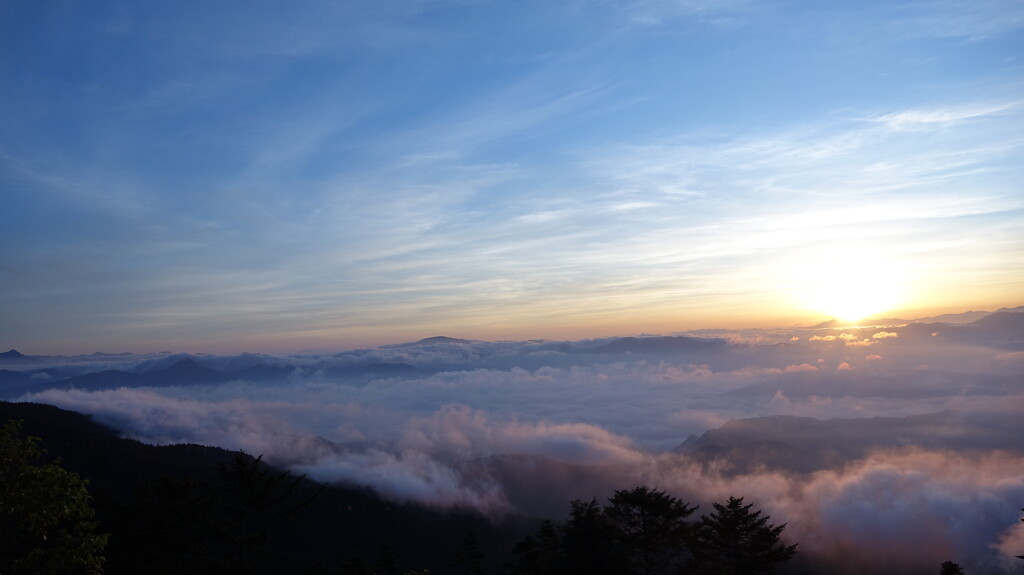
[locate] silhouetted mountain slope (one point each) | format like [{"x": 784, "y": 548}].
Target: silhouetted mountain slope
[
  {"x": 654, "y": 345},
  {"x": 1004, "y": 322},
  {"x": 17, "y": 383},
  {"x": 827, "y": 324},
  {"x": 805, "y": 444},
  {"x": 184, "y": 372},
  {"x": 97, "y": 452},
  {"x": 965, "y": 317},
  {"x": 442, "y": 339},
  {"x": 8, "y": 377},
  {"x": 341, "y": 523},
  {"x": 12, "y": 354},
  {"x": 360, "y": 374},
  {"x": 1003, "y": 329},
  {"x": 262, "y": 373},
  {"x": 946, "y": 318}
]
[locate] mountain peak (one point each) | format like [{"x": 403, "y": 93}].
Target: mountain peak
[
  {"x": 828, "y": 323},
  {"x": 12, "y": 354},
  {"x": 442, "y": 339}
]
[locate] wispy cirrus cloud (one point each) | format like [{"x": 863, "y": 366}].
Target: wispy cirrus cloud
[
  {"x": 320, "y": 171},
  {"x": 973, "y": 21},
  {"x": 939, "y": 117}
]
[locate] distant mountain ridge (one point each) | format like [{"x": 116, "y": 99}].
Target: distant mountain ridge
[
  {"x": 967, "y": 317},
  {"x": 653, "y": 344},
  {"x": 12, "y": 354},
  {"x": 1002, "y": 321},
  {"x": 186, "y": 371},
  {"x": 24, "y": 374},
  {"x": 441, "y": 339},
  {"x": 805, "y": 444}
]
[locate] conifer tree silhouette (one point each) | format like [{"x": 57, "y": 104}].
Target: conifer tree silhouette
[
  {"x": 734, "y": 540},
  {"x": 950, "y": 568},
  {"x": 651, "y": 527},
  {"x": 468, "y": 558}
]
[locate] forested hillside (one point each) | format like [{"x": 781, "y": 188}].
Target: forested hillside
[{"x": 194, "y": 509}]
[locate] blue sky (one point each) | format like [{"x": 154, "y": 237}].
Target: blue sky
[{"x": 229, "y": 176}]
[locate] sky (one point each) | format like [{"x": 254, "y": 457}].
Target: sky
[{"x": 250, "y": 176}]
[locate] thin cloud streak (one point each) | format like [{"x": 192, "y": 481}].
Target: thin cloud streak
[{"x": 332, "y": 172}]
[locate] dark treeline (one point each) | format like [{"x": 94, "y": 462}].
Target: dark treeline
[
  {"x": 646, "y": 531},
  {"x": 75, "y": 498},
  {"x": 196, "y": 509}
]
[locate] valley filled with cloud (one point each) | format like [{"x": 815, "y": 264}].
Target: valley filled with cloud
[{"x": 900, "y": 438}]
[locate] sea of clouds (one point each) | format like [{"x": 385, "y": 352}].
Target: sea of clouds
[{"x": 905, "y": 440}]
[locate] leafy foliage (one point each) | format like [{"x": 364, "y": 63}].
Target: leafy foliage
[{"x": 47, "y": 521}]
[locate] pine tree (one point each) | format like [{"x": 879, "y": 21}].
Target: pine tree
[
  {"x": 651, "y": 527},
  {"x": 387, "y": 564},
  {"x": 469, "y": 559},
  {"x": 950, "y": 568},
  {"x": 252, "y": 499},
  {"x": 737, "y": 541},
  {"x": 589, "y": 541},
  {"x": 540, "y": 555}
]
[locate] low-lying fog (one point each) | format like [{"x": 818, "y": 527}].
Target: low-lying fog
[{"x": 905, "y": 440}]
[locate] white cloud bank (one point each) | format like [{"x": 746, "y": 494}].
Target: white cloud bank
[{"x": 914, "y": 451}]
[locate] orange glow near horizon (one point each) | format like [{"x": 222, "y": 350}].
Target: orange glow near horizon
[{"x": 852, "y": 286}]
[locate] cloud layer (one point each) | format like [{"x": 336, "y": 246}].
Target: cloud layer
[{"x": 904, "y": 438}]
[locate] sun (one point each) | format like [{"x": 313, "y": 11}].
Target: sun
[
  {"x": 850, "y": 301},
  {"x": 851, "y": 287}
]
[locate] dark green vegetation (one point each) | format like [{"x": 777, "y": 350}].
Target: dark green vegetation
[
  {"x": 950, "y": 568},
  {"x": 735, "y": 539},
  {"x": 46, "y": 519},
  {"x": 647, "y": 531},
  {"x": 194, "y": 509}
]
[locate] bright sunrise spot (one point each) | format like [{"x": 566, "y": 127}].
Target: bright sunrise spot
[
  {"x": 852, "y": 286},
  {"x": 467, "y": 266}
]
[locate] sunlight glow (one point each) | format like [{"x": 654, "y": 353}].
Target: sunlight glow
[{"x": 851, "y": 286}]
